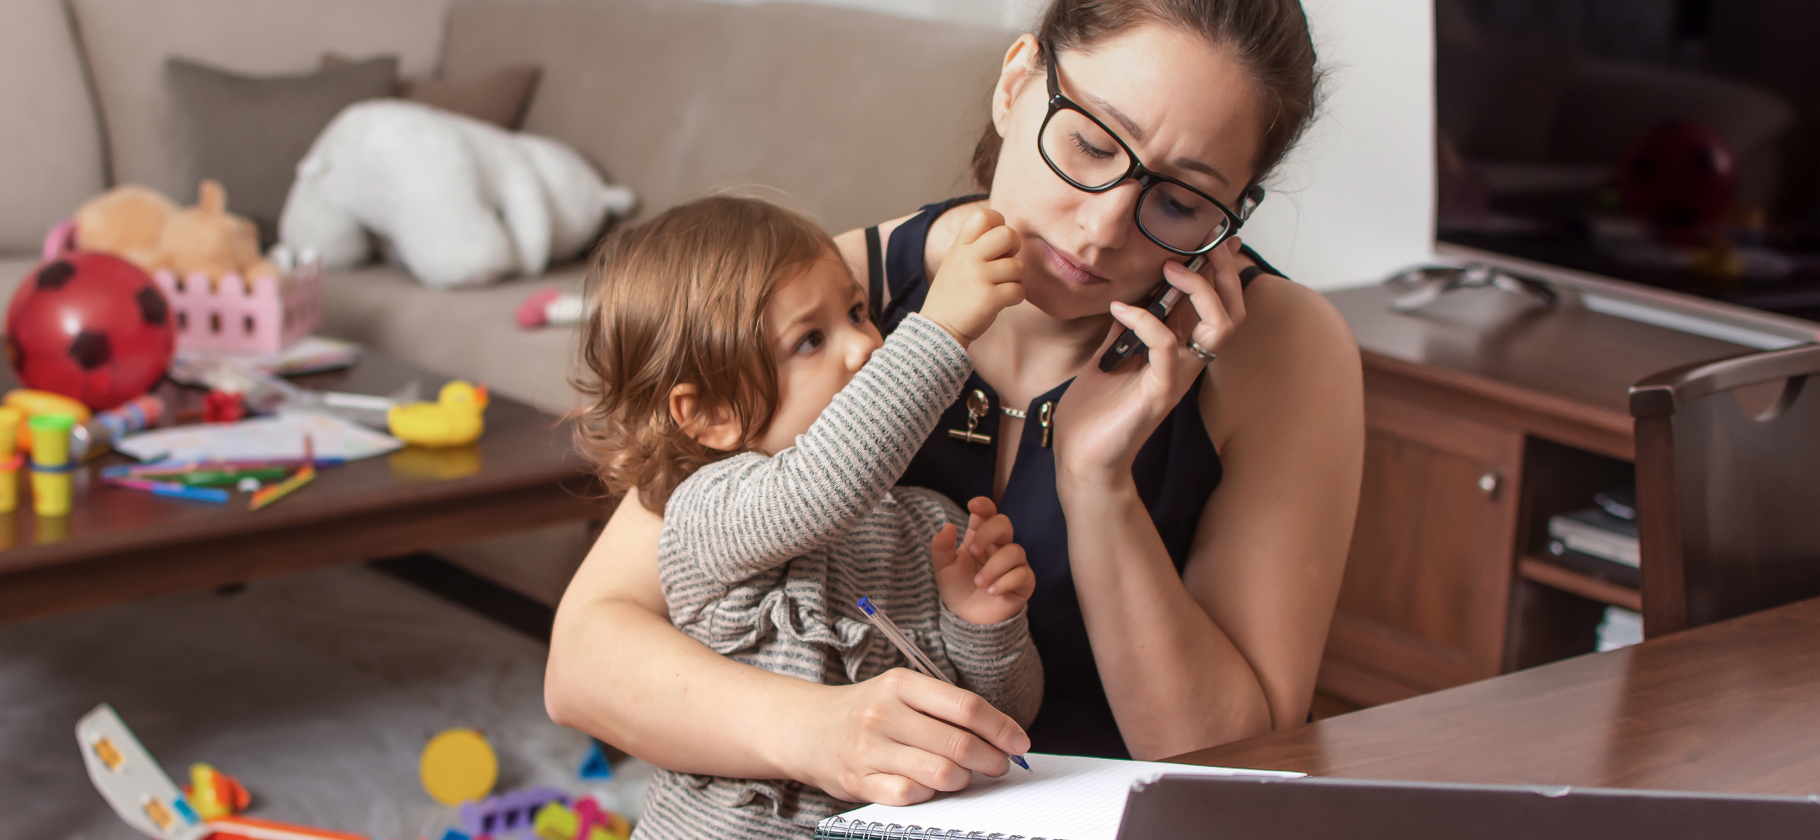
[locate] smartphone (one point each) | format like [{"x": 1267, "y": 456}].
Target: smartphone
[{"x": 1160, "y": 302}]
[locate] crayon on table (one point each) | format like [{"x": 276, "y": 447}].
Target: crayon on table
[
  {"x": 267, "y": 495},
  {"x": 202, "y": 477},
  {"x": 173, "y": 490}
]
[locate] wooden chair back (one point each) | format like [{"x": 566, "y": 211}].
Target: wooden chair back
[{"x": 1728, "y": 501}]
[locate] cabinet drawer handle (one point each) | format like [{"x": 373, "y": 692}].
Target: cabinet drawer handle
[{"x": 1488, "y": 483}]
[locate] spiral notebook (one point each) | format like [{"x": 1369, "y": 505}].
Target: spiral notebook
[{"x": 1064, "y": 797}]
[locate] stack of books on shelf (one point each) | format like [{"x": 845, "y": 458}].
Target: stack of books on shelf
[
  {"x": 1600, "y": 540},
  {"x": 1621, "y": 628}
]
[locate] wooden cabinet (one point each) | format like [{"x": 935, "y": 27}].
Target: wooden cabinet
[
  {"x": 1485, "y": 416},
  {"x": 1427, "y": 584}
]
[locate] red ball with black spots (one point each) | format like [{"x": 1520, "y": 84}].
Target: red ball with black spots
[{"x": 92, "y": 327}]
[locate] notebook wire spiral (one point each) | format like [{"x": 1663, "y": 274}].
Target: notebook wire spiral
[{"x": 840, "y": 828}]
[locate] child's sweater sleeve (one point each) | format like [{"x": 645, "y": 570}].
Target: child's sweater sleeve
[
  {"x": 996, "y": 661},
  {"x": 741, "y": 516}
]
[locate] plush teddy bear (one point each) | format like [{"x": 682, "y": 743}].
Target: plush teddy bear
[
  {"x": 459, "y": 201},
  {"x": 146, "y": 229},
  {"x": 127, "y": 221},
  {"x": 209, "y": 240}
]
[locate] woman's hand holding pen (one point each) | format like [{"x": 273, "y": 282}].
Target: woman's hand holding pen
[
  {"x": 1105, "y": 417},
  {"x": 896, "y": 739},
  {"x": 986, "y": 579}
]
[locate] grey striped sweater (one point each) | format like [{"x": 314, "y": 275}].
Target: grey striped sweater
[{"x": 764, "y": 558}]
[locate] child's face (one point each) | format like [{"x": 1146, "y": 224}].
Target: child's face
[{"x": 821, "y": 336}]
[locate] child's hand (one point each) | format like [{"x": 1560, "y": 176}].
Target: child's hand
[
  {"x": 980, "y": 276},
  {"x": 987, "y": 580}
]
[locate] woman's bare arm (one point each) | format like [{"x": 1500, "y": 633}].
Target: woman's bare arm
[
  {"x": 1229, "y": 648},
  {"x": 1271, "y": 548},
  {"x": 620, "y": 671}
]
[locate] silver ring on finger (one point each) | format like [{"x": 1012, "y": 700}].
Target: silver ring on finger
[{"x": 1206, "y": 356}]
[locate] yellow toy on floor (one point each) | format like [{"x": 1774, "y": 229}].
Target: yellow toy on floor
[
  {"x": 455, "y": 419},
  {"x": 458, "y": 765},
  {"x": 215, "y": 794}
]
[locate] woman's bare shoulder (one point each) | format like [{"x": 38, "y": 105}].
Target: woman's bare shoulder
[{"x": 1293, "y": 353}]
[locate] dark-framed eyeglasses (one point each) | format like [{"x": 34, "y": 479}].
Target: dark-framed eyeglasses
[{"x": 1090, "y": 157}]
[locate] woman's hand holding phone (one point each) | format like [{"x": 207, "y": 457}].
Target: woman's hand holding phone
[{"x": 1107, "y": 415}]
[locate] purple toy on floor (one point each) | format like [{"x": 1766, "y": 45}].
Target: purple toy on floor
[{"x": 508, "y": 814}]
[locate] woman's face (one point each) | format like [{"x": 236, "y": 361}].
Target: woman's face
[{"x": 1184, "y": 107}]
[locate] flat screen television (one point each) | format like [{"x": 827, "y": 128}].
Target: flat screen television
[{"x": 1662, "y": 155}]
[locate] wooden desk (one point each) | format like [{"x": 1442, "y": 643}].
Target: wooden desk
[
  {"x": 1732, "y": 707},
  {"x": 119, "y": 545},
  {"x": 1485, "y": 416}
]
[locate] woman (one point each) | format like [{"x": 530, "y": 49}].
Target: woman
[{"x": 1188, "y": 514}]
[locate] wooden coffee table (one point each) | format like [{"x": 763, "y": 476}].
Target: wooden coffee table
[{"x": 119, "y": 545}]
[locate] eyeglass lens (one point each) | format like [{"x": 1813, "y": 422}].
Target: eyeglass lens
[{"x": 1086, "y": 154}]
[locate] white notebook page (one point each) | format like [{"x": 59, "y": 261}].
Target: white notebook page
[{"x": 1064, "y": 797}]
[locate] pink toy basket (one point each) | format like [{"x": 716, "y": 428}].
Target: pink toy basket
[{"x": 231, "y": 314}]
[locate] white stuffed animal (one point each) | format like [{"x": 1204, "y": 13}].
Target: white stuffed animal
[{"x": 461, "y": 202}]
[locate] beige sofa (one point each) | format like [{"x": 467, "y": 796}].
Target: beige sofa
[{"x": 857, "y": 116}]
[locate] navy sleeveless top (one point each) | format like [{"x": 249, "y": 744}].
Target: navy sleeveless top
[{"x": 1176, "y": 471}]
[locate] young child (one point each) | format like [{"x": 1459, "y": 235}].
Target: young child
[{"x": 735, "y": 379}]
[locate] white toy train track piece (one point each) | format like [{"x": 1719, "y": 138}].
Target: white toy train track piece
[{"x": 132, "y": 783}]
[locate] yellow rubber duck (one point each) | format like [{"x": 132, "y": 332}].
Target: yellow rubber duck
[{"x": 455, "y": 419}]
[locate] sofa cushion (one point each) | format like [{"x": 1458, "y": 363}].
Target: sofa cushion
[
  {"x": 53, "y": 159},
  {"x": 678, "y": 97},
  {"x": 249, "y": 132},
  {"x": 127, "y": 42},
  {"x": 500, "y": 97},
  {"x": 471, "y": 333},
  {"x": 618, "y": 77},
  {"x": 858, "y": 116}
]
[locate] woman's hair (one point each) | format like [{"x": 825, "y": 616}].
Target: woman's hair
[
  {"x": 1268, "y": 38},
  {"x": 680, "y": 299}
]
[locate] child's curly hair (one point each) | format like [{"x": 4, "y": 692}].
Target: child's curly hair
[{"x": 680, "y": 299}]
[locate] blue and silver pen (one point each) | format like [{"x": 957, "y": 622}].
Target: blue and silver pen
[{"x": 911, "y": 652}]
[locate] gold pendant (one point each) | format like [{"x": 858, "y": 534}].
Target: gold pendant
[
  {"x": 1045, "y": 417},
  {"x": 977, "y": 406}
]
